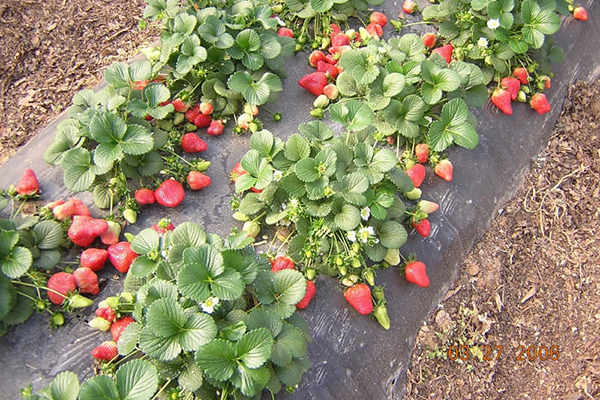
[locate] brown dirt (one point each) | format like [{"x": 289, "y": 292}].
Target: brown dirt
[
  {"x": 52, "y": 49},
  {"x": 533, "y": 280}
]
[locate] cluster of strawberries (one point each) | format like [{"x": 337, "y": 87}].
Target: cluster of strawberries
[
  {"x": 516, "y": 87},
  {"x": 108, "y": 317}
]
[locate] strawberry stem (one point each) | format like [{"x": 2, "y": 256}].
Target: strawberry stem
[
  {"x": 39, "y": 287},
  {"x": 161, "y": 389}
]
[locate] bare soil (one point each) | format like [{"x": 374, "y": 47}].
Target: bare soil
[
  {"x": 532, "y": 281},
  {"x": 531, "y": 285}
]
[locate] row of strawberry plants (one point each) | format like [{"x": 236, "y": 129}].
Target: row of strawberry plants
[
  {"x": 213, "y": 63},
  {"x": 209, "y": 319}
]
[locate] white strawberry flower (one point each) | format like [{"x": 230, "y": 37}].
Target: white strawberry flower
[
  {"x": 352, "y": 236},
  {"x": 208, "y": 306},
  {"x": 365, "y": 213},
  {"x": 366, "y": 233},
  {"x": 482, "y": 42},
  {"x": 493, "y": 24},
  {"x": 277, "y": 175}
]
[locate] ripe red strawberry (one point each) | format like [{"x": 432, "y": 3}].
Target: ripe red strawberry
[
  {"x": 341, "y": 39},
  {"x": 280, "y": 263},
  {"x": 191, "y": 143},
  {"x": 315, "y": 57},
  {"x": 409, "y": 6},
  {"x": 170, "y": 193},
  {"x": 416, "y": 272},
  {"x": 117, "y": 328},
  {"x": 512, "y": 85},
  {"x": 423, "y": 227},
  {"x": 107, "y": 313},
  {"x": 180, "y": 106},
  {"x": 314, "y": 82},
  {"x": 197, "y": 180},
  {"x": 445, "y": 51},
  {"x": 163, "y": 226},
  {"x": 539, "y": 103},
  {"x": 93, "y": 259},
  {"x": 216, "y": 127},
  {"x": 359, "y": 297},
  {"x": 443, "y": 169},
  {"x": 311, "y": 290},
  {"x": 140, "y": 85},
  {"x": 323, "y": 66},
  {"x": 202, "y": 120},
  {"x": 206, "y": 108},
  {"x": 192, "y": 113},
  {"x": 416, "y": 174},
  {"x": 333, "y": 50},
  {"x": 522, "y": 75},
  {"x": 255, "y": 190},
  {"x": 378, "y": 18},
  {"x": 28, "y": 183},
  {"x": 121, "y": 256},
  {"x": 145, "y": 196},
  {"x": 84, "y": 230},
  {"x": 331, "y": 59},
  {"x": 334, "y": 29},
  {"x": 106, "y": 351},
  {"x": 286, "y": 32},
  {"x": 111, "y": 235},
  {"x": 60, "y": 282},
  {"x": 331, "y": 91},
  {"x": 374, "y": 30},
  {"x": 580, "y": 14},
  {"x": 86, "y": 280},
  {"x": 237, "y": 171},
  {"x": 422, "y": 152},
  {"x": 428, "y": 207},
  {"x": 429, "y": 40},
  {"x": 502, "y": 99},
  {"x": 547, "y": 81}
]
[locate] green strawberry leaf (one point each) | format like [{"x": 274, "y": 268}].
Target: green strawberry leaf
[
  {"x": 188, "y": 234},
  {"x": 65, "y": 386},
  {"x": 392, "y": 235},
  {"x": 166, "y": 318},
  {"x": 67, "y": 137},
  {"x": 315, "y": 130},
  {"x": 217, "y": 359},
  {"x": 143, "y": 266},
  {"x": 290, "y": 285},
  {"x": 228, "y": 286},
  {"x": 99, "y": 387},
  {"x": 296, "y": 148},
  {"x": 164, "y": 349},
  {"x": 146, "y": 242},
  {"x": 263, "y": 141},
  {"x": 348, "y": 218},
  {"x": 8, "y": 297},
  {"x": 307, "y": 170},
  {"x": 198, "y": 330},
  {"x": 129, "y": 338},
  {"x": 250, "y": 381},
  {"x": 137, "y": 380},
  {"x": 354, "y": 114},
  {"x": 48, "y": 234},
  {"x": 17, "y": 262},
  {"x": 289, "y": 343},
  {"x": 254, "y": 348}
]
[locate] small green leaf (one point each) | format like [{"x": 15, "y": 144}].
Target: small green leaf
[
  {"x": 354, "y": 114},
  {"x": 262, "y": 141},
  {"x": 198, "y": 330},
  {"x": 228, "y": 286},
  {"x": 307, "y": 170},
  {"x": 129, "y": 338},
  {"x": 383, "y": 161},
  {"x": 393, "y": 84},
  {"x": 166, "y": 318},
  {"x": 188, "y": 234},
  {"x": 143, "y": 266}
]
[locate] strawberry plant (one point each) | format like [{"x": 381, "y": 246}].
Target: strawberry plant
[
  {"x": 210, "y": 319},
  {"x": 502, "y": 35},
  {"x": 339, "y": 197}
]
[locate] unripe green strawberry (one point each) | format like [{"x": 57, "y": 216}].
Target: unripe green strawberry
[
  {"x": 392, "y": 257},
  {"x": 382, "y": 316},
  {"x": 252, "y": 228},
  {"x": 57, "y": 319},
  {"x": 130, "y": 215},
  {"x": 127, "y": 297},
  {"x": 100, "y": 324},
  {"x": 428, "y": 207},
  {"x": 521, "y": 96},
  {"x": 413, "y": 194},
  {"x": 78, "y": 301},
  {"x": 369, "y": 276},
  {"x": 310, "y": 273},
  {"x": 317, "y": 113},
  {"x": 321, "y": 101},
  {"x": 239, "y": 216}
]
